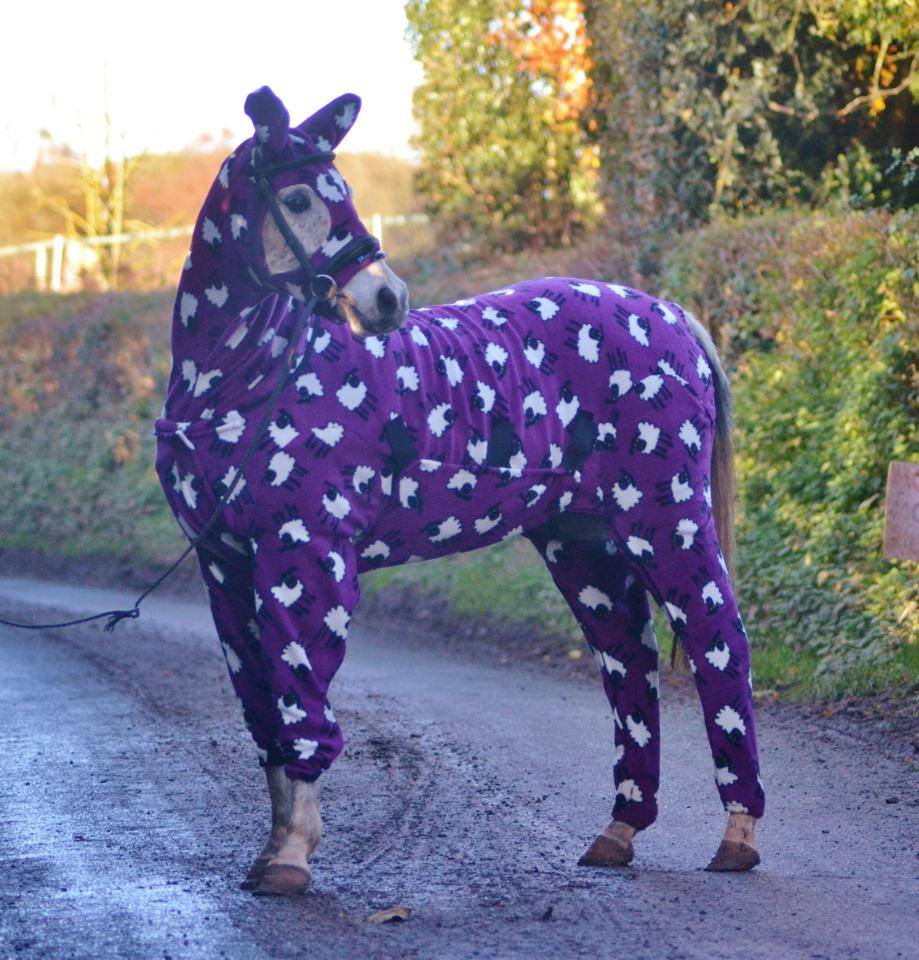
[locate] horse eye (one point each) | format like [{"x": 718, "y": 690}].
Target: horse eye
[{"x": 297, "y": 202}]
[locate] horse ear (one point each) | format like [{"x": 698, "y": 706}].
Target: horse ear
[
  {"x": 270, "y": 117},
  {"x": 328, "y": 126}
]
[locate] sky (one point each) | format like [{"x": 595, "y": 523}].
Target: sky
[{"x": 177, "y": 70}]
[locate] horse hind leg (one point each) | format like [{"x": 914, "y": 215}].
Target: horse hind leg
[
  {"x": 686, "y": 574},
  {"x": 612, "y": 610}
]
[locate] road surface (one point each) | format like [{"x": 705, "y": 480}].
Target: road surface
[{"x": 130, "y": 807}]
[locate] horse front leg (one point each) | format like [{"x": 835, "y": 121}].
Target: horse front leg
[
  {"x": 286, "y": 871},
  {"x": 306, "y": 596},
  {"x": 279, "y": 792}
]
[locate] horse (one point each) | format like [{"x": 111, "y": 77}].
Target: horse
[{"x": 327, "y": 429}]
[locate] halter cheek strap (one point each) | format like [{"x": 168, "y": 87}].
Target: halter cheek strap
[{"x": 319, "y": 286}]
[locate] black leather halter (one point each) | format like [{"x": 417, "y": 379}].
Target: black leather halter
[{"x": 319, "y": 286}]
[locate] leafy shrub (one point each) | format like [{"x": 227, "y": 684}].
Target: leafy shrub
[
  {"x": 81, "y": 382},
  {"x": 819, "y": 317}
]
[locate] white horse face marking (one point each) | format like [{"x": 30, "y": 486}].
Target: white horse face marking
[{"x": 375, "y": 299}]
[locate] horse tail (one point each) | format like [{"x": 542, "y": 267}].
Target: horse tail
[{"x": 722, "y": 469}]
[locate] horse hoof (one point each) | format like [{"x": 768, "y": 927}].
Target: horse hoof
[
  {"x": 733, "y": 857},
  {"x": 606, "y": 852},
  {"x": 282, "y": 880},
  {"x": 255, "y": 874}
]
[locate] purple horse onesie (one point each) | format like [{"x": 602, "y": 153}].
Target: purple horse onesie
[{"x": 579, "y": 414}]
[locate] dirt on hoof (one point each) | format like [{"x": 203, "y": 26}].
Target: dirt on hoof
[
  {"x": 282, "y": 880},
  {"x": 255, "y": 874},
  {"x": 733, "y": 857},
  {"x": 606, "y": 852}
]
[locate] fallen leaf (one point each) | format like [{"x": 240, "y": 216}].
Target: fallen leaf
[{"x": 397, "y": 914}]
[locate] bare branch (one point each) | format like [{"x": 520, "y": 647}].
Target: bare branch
[
  {"x": 878, "y": 93},
  {"x": 777, "y": 107}
]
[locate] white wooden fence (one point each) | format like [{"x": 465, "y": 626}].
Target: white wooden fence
[{"x": 60, "y": 260}]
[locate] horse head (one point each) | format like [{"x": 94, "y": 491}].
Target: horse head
[{"x": 283, "y": 195}]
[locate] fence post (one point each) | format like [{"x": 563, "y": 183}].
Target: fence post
[
  {"x": 41, "y": 267},
  {"x": 376, "y": 226},
  {"x": 57, "y": 263}
]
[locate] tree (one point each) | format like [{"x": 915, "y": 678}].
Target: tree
[
  {"x": 505, "y": 159},
  {"x": 709, "y": 104}
]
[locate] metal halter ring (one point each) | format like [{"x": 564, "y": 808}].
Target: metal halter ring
[{"x": 323, "y": 287}]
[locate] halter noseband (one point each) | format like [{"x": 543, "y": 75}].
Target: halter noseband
[{"x": 321, "y": 286}]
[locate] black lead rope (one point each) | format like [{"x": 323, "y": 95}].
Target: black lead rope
[{"x": 322, "y": 287}]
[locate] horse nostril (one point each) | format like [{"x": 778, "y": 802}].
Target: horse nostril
[{"x": 387, "y": 301}]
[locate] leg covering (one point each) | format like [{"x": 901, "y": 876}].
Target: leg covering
[{"x": 612, "y": 610}]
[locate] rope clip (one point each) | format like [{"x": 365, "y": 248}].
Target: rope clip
[{"x": 323, "y": 287}]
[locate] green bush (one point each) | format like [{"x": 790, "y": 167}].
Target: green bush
[
  {"x": 819, "y": 317},
  {"x": 81, "y": 381}
]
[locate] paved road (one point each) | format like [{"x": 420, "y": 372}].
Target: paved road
[{"x": 130, "y": 807}]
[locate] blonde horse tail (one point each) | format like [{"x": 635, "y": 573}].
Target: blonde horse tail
[{"x": 722, "y": 470}]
